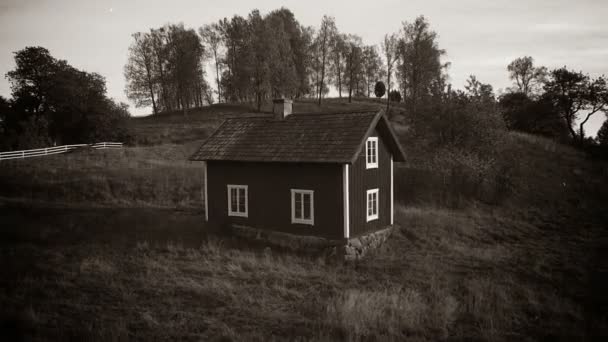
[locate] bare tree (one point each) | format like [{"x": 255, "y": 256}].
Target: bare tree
[
  {"x": 528, "y": 78},
  {"x": 212, "y": 37},
  {"x": 389, "y": 47},
  {"x": 322, "y": 40}
]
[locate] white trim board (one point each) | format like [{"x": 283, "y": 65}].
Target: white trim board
[
  {"x": 345, "y": 196},
  {"x": 392, "y": 194},
  {"x": 206, "y": 197}
]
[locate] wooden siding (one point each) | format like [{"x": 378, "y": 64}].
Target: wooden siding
[
  {"x": 361, "y": 180},
  {"x": 269, "y": 194}
]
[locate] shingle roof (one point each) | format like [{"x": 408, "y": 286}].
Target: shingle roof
[{"x": 319, "y": 138}]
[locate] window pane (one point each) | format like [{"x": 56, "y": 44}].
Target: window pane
[
  {"x": 233, "y": 200},
  {"x": 373, "y": 151},
  {"x": 298, "y": 206},
  {"x": 306, "y": 206},
  {"x": 375, "y": 203},
  {"x": 241, "y": 200}
]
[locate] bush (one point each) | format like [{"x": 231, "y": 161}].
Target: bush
[
  {"x": 394, "y": 96},
  {"x": 457, "y": 151},
  {"x": 379, "y": 89}
]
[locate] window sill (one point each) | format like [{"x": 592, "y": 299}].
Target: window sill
[
  {"x": 372, "y": 218},
  {"x": 237, "y": 214},
  {"x": 306, "y": 222}
]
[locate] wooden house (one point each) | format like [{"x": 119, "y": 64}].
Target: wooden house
[{"x": 327, "y": 175}]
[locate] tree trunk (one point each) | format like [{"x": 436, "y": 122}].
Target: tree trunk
[{"x": 217, "y": 77}]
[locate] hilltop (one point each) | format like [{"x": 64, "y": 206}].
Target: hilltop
[{"x": 111, "y": 245}]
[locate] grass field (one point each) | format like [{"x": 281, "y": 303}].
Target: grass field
[
  {"x": 113, "y": 274},
  {"x": 110, "y": 245}
]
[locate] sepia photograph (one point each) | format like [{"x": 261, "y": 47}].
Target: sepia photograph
[{"x": 197, "y": 170}]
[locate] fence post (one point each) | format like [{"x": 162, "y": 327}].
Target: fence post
[{"x": 22, "y": 154}]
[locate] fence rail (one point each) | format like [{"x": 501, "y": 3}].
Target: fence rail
[{"x": 39, "y": 152}]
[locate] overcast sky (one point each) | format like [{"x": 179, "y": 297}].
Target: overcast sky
[{"x": 481, "y": 36}]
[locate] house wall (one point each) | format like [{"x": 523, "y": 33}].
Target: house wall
[
  {"x": 361, "y": 180},
  {"x": 269, "y": 193}
]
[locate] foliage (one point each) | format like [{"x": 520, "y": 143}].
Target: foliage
[
  {"x": 602, "y": 134},
  {"x": 55, "y": 102},
  {"x": 165, "y": 69},
  {"x": 420, "y": 68},
  {"x": 211, "y": 35},
  {"x": 574, "y": 93},
  {"x": 394, "y": 96},
  {"x": 266, "y": 57},
  {"x": 528, "y": 78},
  {"x": 379, "y": 89},
  {"x": 537, "y": 116}
]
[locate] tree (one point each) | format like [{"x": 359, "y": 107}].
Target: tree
[
  {"x": 322, "y": 41},
  {"x": 379, "y": 89},
  {"x": 212, "y": 37},
  {"x": 528, "y": 78},
  {"x": 140, "y": 72},
  {"x": 33, "y": 79},
  {"x": 479, "y": 92},
  {"x": 419, "y": 61},
  {"x": 389, "y": 47},
  {"x": 354, "y": 64},
  {"x": 339, "y": 50},
  {"x": 536, "y": 116},
  {"x": 53, "y": 101},
  {"x": 372, "y": 67},
  {"x": 602, "y": 134},
  {"x": 574, "y": 93}
]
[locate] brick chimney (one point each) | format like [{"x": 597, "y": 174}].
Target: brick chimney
[{"x": 281, "y": 108}]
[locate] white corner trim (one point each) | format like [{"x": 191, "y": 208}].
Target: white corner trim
[
  {"x": 392, "y": 194},
  {"x": 302, "y": 220},
  {"x": 345, "y": 195},
  {"x": 206, "y": 197},
  {"x": 229, "y": 194},
  {"x": 374, "y": 216}
]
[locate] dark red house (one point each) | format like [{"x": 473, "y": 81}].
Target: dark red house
[{"x": 326, "y": 175}]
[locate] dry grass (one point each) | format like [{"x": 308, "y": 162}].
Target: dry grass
[
  {"x": 134, "y": 176},
  {"x": 93, "y": 282},
  {"x": 531, "y": 269}
]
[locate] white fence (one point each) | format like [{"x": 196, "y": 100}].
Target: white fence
[{"x": 39, "y": 152}]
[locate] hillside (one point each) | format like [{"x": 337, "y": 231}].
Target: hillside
[{"x": 94, "y": 256}]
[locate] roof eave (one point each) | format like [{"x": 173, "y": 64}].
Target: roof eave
[{"x": 397, "y": 152}]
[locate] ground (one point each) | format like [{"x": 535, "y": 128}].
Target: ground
[{"x": 130, "y": 258}]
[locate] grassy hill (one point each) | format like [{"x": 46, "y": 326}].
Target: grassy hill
[{"x": 110, "y": 245}]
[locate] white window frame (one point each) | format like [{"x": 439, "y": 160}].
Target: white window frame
[
  {"x": 371, "y": 160},
  {"x": 370, "y": 194},
  {"x": 238, "y": 213},
  {"x": 302, "y": 220}
]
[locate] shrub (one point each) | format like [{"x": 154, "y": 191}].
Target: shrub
[
  {"x": 394, "y": 96},
  {"x": 379, "y": 89}
]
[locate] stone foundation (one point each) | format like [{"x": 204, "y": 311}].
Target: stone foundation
[
  {"x": 349, "y": 250},
  {"x": 356, "y": 248}
]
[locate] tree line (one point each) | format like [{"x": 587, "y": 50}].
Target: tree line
[
  {"x": 165, "y": 69},
  {"x": 54, "y": 103},
  {"x": 257, "y": 58}
]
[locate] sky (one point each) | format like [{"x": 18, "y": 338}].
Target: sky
[{"x": 481, "y": 37}]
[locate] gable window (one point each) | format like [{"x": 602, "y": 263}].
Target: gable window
[
  {"x": 371, "y": 153},
  {"x": 372, "y": 204},
  {"x": 237, "y": 200},
  {"x": 302, "y": 206}
]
